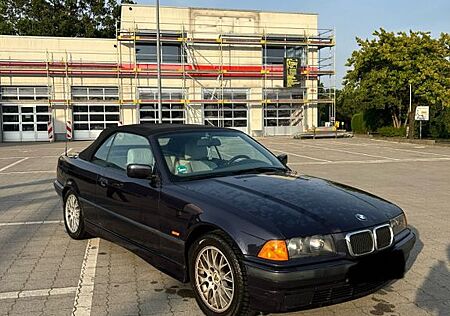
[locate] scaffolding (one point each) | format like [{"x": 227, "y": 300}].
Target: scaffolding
[{"x": 207, "y": 61}]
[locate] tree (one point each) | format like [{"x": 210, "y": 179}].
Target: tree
[
  {"x": 384, "y": 67},
  {"x": 69, "y": 18}
]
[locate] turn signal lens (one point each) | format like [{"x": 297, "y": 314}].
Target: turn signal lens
[{"x": 274, "y": 250}]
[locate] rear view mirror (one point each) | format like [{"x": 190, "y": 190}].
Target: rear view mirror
[
  {"x": 208, "y": 142},
  {"x": 283, "y": 158},
  {"x": 139, "y": 171}
]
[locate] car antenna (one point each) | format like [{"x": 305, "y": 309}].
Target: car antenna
[{"x": 65, "y": 147}]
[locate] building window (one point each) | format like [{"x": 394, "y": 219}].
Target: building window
[
  {"x": 146, "y": 53},
  {"x": 24, "y": 93},
  {"x": 95, "y": 93},
  {"x": 274, "y": 55}
]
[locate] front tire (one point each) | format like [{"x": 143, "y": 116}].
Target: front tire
[
  {"x": 218, "y": 277},
  {"x": 73, "y": 216}
]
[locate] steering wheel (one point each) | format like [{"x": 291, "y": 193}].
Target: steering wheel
[{"x": 235, "y": 158}]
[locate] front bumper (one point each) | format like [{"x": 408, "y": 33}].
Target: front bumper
[
  {"x": 58, "y": 188},
  {"x": 331, "y": 282}
]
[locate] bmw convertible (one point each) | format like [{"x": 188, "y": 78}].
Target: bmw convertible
[{"x": 213, "y": 207}]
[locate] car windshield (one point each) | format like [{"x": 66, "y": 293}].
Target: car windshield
[{"x": 203, "y": 154}]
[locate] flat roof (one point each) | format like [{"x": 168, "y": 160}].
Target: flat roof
[
  {"x": 62, "y": 37},
  {"x": 220, "y": 9}
]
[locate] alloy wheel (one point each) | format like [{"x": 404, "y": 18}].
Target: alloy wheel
[
  {"x": 72, "y": 213},
  {"x": 214, "y": 279}
]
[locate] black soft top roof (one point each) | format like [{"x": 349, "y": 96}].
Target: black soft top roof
[{"x": 141, "y": 129}]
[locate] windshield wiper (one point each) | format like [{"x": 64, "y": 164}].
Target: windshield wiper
[{"x": 260, "y": 170}]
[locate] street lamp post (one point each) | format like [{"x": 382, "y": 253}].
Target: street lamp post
[{"x": 158, "y": 60}]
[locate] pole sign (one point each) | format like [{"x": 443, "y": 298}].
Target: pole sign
[
  {"x": 292, "y": 72},
  {"x": 422, "y": 113}
]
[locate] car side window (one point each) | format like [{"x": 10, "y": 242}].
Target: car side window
[
  {"x": 128, "y": 149},
  {"x": 101, "y": 154}
]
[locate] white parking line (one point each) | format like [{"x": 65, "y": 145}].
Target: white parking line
[
  {"x": 391, "y": 148},
  {"x": 13, "y": 164},
  {"x": 68, "y": 151},
  {"x": 378, "y": 161},
  {"x": 30, "y": 223},
  {"x": 30, "y": 157},
  {"x": 341, "y": 150},
  {"x": 302, "y": 156},
  {"x": 31, "y": 171},
  {"x": 34, "y": 293},
  {"x": 85, "y": 291}
]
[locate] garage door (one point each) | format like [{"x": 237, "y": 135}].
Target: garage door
[
  {"x": 94, "y": 109},
  {"x": 24, "y": 123},
  {"x": 282, "y": 117},
  {"x": 25, "y": 113},
  {"x": 173, "y": 110},
  {"x": 90, "y": 120},
  {"x": 229, "y": 113}
]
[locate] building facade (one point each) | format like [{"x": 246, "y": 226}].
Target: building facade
[{"x": 219, "y": 67}]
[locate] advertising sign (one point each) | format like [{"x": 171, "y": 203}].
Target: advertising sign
[{"x": 292, "y": 72}]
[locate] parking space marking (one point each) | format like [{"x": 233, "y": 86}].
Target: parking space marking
[
  {"x": 30, "y": 157},
  {"x": 341, "y": 150},
  {"x": 13, "y": 164},
  {"x": 301, "y": 156},
  {"x": 85, "y": 290},
  {"x": 378, "y": 161},
  {"x": 30, "y": 223},
  {"x": 391, "y": 148},
  {"x": 66, "y": 152},
  {"x": 35, "y": 293},
  {"x": 31, "y": 171}
]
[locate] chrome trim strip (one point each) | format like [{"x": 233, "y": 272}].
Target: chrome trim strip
[
  {"x": 375, "y": 236},
  {"x": 349, "y": 245}
]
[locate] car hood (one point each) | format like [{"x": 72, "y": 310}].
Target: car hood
[{"x": 294, "y": 205}]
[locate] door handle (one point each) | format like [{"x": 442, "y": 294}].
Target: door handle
[{"x": 103, "y": 182}]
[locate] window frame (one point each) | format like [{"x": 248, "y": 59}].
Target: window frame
[
  {"x": 108, "y": 164},
  {"x": 142, "y": 58}
]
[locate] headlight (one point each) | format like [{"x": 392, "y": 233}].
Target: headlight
[
  {"x": 398, "y": 223},
  {"x": 310, "y": 246}
]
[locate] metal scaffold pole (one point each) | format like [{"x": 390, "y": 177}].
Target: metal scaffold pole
[{"x": 158, "y": 57}]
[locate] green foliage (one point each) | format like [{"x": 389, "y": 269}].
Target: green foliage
[
  {"x": 384, "y": 67},
  {"x": 439, "y": 125},
  {"x": 375, "y": 118},
  {"x": 70, "y": 18},
  {"x": 358, "y": 124},
  {"x": 390, "y": 131}
]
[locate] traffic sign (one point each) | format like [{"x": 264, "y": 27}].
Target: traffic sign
[{"x": 422, "y": 113}]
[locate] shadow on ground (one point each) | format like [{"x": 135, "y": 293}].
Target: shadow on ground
[{"x": 436, "y": 283}]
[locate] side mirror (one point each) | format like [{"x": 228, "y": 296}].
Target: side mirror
[
  {"x": 283, "y": 158},
  {"x": 139, "y": 171}
]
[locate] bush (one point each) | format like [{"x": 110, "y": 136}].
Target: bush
[
  {"x": 358, "y": 124},
  {"x": 375, "y": 119},
  {"x": 439, "y": 125},
  {"x": 390, "y": 131}
]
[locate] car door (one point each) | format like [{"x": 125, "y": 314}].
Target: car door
[
  {"x": 123, "y": 200},
  {"x": 87, "y": 174}
]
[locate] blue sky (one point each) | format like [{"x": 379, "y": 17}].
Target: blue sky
[{"x": 350, "y": 18}]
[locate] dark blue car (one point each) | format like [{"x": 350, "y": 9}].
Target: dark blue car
[{"x": 213, "y": 207}]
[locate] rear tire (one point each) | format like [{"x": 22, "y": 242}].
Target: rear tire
[
  {"x": 73, "y": 216},
  {"x": 218, "y": 277}
]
